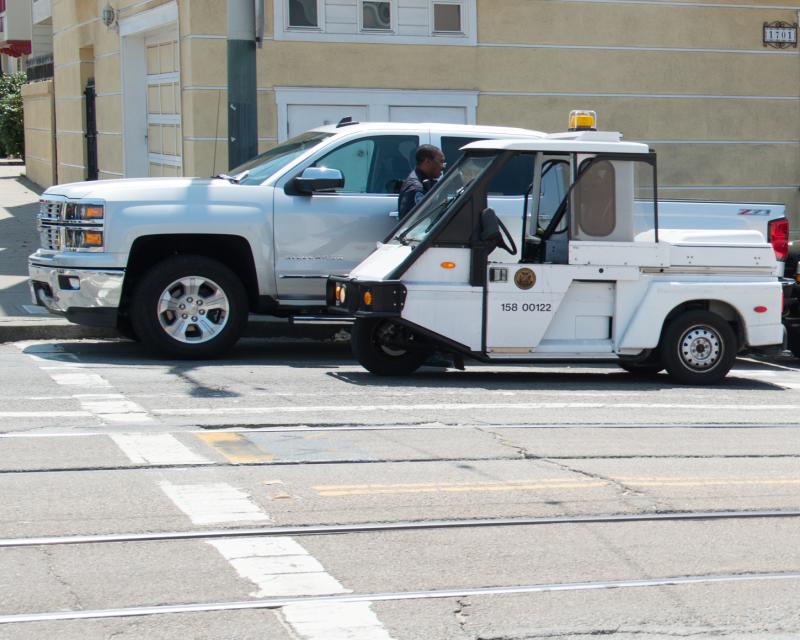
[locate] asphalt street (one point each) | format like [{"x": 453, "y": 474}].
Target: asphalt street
[{"x": 97, "y": 438}]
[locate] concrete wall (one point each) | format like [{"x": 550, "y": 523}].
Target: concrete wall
[
  {"x": 40, "y": 121},
  {"x": 693, "y": 79}
]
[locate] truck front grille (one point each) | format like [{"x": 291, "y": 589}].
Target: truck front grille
[
  {"x": 50, "y": 232},
  {"x": 59, "y": 231}
]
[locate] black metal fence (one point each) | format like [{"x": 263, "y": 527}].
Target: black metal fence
[{"x": 40, "y": 67}]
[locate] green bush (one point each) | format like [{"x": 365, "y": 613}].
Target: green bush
[{"x": 12, "y": 126}]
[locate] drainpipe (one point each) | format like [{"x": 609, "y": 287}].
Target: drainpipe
[{"x": 242, "y": 112}]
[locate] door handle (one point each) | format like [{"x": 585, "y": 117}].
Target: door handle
[{"x": 394, "y": 214}]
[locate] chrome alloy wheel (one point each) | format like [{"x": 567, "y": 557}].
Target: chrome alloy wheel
[
  {"x": 700, "y": 348},
  {"x": 193, "y": 309}
]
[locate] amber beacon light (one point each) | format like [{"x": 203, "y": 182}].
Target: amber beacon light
[{"x": 582, "y": 120}]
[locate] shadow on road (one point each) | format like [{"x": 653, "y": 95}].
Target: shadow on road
[
  {"x": 606, "y": 378},
  {"x": 338, "y": 363}
]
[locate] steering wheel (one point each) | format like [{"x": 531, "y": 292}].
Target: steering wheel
[{"x": 505, "y": 235}]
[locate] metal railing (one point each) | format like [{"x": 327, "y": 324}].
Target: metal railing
[{"x": 40, "y": 67}]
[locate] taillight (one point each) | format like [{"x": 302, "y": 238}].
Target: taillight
[{"x": 778, "y": 234}]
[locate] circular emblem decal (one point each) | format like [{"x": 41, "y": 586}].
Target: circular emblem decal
[{"x": 525, "y": 278}]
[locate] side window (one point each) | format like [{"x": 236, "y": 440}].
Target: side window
[
  {"x": 378, "y": 164},
  {"x": 555, "y": 183},
  {"x": 515, "y": 178},
  {"x": 451, "y": 146},
  {"x": 595, "y": 200}
]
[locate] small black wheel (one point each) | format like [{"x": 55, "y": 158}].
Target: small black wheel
[
  {"x": 698, "y": 347},
  {"x": 189, "y": 307},
  {"x": 377, "y": 344}
]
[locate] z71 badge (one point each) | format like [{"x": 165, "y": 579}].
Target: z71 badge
[{"x": 525, "y": 278}]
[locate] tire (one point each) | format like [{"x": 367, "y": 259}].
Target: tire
[
  {"x": 213, "y": 315},
  {"x": 698, "y": 347},
  {"x": 368, "y": 340},
  {"x": 642, "y": 370},
  {"x": 793, "y": 340},
  {"x": 125, "y": 329}
]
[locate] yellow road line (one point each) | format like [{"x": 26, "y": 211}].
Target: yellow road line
[
  {"x": 331, "y": 491},
  {"x": 411, "y": 485},
  {"x": 459, "y": 489},
  {"x": 708, "y": 483},
  {"x": 236, "y": 448}
]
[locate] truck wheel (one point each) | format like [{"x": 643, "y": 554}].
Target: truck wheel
[
  {"x": 189, "y": 307},
  {"x": 793, "y": 341},
  {"x": 372, "y": 342},
  {"x": 698, "y": 347},
  {"x": 125, "y": 329}
]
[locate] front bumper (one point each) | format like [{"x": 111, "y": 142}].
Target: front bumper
[
  {"x": 386, "y": 298},
  {"x": 84, "y": 296}
]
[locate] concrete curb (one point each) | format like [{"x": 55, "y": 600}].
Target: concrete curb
[{"x": 16, "y": 329}]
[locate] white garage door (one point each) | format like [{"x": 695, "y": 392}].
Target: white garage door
[
  {"x": 303, "y": 117},
  {"x": 164, "y": 140},
  {"x": 450, "y": 115}
]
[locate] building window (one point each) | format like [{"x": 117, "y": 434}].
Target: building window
[
  {"x": 446, "y": 18},
  {"x": 303, "y": 13},
  {"x": 441, "y": 22},
  {"x": 376, "y": 16}
]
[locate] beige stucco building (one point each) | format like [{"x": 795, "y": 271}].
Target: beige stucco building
[{"x": 694, "y": 79}]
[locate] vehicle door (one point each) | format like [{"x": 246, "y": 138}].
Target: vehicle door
[
  {"x": 329, "y": 233},
  {"x": 523, "y": 291},
  {"x": 562, "y": 296}
]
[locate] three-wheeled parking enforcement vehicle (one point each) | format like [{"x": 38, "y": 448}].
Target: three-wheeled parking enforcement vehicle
[{"x": 581, "y": 271}]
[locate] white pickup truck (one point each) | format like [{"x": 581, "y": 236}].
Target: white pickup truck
[
  {"x": 179, "y": 263},
  {"x": 592, "y": 275}
]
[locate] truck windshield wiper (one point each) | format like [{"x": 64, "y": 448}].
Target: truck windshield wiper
[{"x": 233, "y": 179}]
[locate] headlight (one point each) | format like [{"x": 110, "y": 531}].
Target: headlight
[
  {"x": 83, "y": 211},
  {"x": 341, "y": 293},
  {"x": 90, "y": 239}
]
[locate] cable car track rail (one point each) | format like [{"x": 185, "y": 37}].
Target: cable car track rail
[
  {"x": 277, "y": 603},
  {"x": 439, "y": 426},
  {"x": 410, "y": 525}
]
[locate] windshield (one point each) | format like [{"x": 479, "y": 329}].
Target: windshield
[
  {"x": 436, "y": 204},
  {"x": 258, "y": 169}
]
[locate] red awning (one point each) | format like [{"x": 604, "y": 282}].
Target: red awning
[{"x": 15, "y": 48}]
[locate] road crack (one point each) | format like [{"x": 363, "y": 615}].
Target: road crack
[
  {"x": 627, "y": 493},
  {"x": 51, "y": 569}
]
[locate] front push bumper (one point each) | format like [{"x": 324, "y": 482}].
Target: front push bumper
[
  {"x": 362, "y": 298},
  {"x": 83, "y": 296}
]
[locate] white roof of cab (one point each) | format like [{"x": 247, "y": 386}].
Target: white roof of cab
[
  {"x": 438, "y": 127},
  {"x": 569, "y": 142}
]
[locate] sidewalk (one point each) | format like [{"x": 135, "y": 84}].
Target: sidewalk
[{"x": 21, "y": 319}]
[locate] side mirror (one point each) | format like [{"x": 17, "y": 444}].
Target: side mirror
[{"x": 318, "y": 179}]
